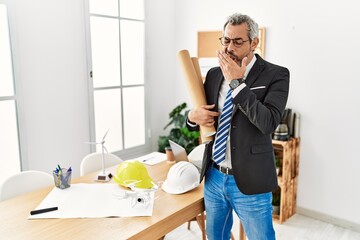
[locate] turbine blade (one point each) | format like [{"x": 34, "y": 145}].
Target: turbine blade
[
  {"x": 92, "y": 143},
  {"x": 105, "y": 134}
]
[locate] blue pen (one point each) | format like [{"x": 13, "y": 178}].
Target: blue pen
[
  {"x": 60, "y": 170},
  {"x": 68, "y": 174}
]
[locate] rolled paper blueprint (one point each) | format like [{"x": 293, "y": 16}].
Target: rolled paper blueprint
[
  {"x": 196, "y": 64},
  {"x": 196, "y": 88}
]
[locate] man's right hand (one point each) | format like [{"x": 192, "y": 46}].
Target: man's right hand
[{"x": 203, "y": 115}]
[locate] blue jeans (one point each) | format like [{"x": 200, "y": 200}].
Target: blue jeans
[{"x": 222, "y": 196}]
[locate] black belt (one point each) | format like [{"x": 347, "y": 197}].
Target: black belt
[{"x": 224, "y": 170}]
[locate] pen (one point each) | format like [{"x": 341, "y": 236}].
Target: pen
[
  {"x": 44, "y": 210},
  {"x": 60, "y": 169},
  {"x": 147, "y": 159}
]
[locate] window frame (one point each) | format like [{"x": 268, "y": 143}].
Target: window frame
[
  {"x": 125, "y": 152},
  {"x": 15, "y": 95}
]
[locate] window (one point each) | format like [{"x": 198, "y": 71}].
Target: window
[
  {"x": 116, "y": 61},
  {"x": 9, "y": 139}
]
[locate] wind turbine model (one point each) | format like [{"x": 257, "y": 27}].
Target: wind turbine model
[{"x": 102, "y": 176}]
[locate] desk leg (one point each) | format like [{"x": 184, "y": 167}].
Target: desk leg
[
  {"x": 201, "y": 221},
  {"x": 242, "y": 232}
]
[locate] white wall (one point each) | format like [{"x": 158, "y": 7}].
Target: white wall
[
  {"x": 316, "y": 40},
  {"x": 160, "y": 64},
  {"x": 49, "y": 56}
]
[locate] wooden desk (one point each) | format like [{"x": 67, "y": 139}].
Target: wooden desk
[{"x": 170, "y": 211}]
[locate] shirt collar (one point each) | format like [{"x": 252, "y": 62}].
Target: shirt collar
[{"x": 249, "y": 66}]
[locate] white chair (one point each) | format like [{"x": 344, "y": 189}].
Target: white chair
[
  {"x": 196, "y": 155},
  {"x": 93, "y": 162},
  {"x": 24, "y": 182}
]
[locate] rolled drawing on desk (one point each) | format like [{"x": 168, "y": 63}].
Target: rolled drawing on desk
[{"x": 44, "y": 210}]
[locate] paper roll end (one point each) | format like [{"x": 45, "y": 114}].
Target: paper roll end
[
  {"x": 184, "y": 51},
  {"x": 208, "y": 134}
]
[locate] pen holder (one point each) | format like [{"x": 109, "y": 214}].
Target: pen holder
[{"x": 62, "y": 179}]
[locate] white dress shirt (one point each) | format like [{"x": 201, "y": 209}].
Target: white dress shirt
[{"x": 222, "y": 95}]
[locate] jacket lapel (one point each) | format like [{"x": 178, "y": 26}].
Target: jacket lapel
[
  {"x": 255, "y": 71},
  {"x": 252, "y": 76}
]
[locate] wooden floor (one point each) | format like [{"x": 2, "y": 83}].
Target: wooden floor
[{"x": 298, "y": 227}]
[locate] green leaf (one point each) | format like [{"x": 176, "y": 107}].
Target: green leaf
[
  {"x": 163, "y": 142},
  {"x": 179, "y": 132},
  {"x": 276, "y": 196}
]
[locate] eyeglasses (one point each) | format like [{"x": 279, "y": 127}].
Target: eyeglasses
[{"x": 238, "y": 42}]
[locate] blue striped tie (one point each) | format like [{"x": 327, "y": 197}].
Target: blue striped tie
[{"x": 223, "y": 130}]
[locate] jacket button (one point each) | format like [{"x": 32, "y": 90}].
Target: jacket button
[{"x": 233, "y": 127}]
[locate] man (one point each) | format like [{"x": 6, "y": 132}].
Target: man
[{"x": 240, "y": 168}]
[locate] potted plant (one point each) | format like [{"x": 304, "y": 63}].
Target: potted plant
[
  {"x": 276, "y": 196},
  {"x": 179, "y": 132}
]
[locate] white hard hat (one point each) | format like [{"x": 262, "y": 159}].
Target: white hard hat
[{"x": 182, "y": 177}]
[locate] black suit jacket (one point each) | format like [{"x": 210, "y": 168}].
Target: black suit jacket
[{"x": 257, "y": 112}]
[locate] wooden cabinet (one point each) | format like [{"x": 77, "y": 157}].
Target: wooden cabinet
[{"x": 288, "y": 152}]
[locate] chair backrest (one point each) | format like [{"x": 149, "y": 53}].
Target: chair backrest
[
  {"x": 23, "y": 182},
  {"x": 93, "y": 162},
  {"x": 196, "y": 155}
]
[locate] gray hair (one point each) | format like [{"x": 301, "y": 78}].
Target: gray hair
[{"x": 238, "y": 18}]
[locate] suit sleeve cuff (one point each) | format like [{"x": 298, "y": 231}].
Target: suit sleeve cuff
[
  {"x": 237, "y": 90},
  {"x": 191, "y": 124}
]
